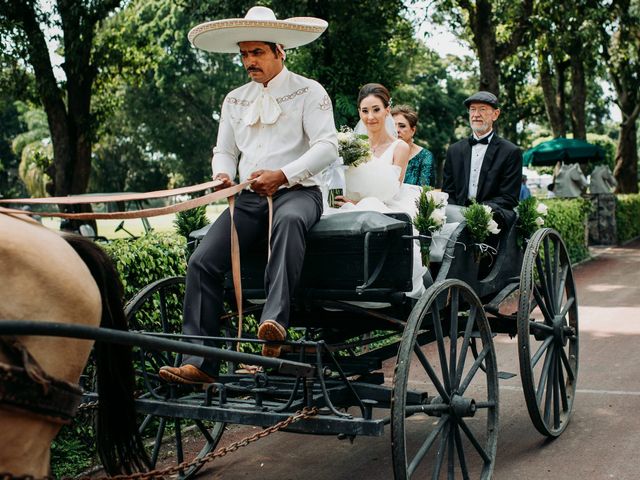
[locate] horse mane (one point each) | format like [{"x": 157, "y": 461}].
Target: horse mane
[{"x": 118, "y": 443}]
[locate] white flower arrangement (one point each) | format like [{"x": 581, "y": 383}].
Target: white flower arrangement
[
  {"x": 431, "y": 216},
  {"x": 480, "y": 222},
  {"x": 353, "y": 148},
  {"x": 531, "y": 217}
]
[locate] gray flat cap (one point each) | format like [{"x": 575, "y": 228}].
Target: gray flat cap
[{"x": 482, "y": 97}]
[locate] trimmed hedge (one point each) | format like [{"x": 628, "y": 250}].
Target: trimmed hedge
[
  {"x": 569, "y": 218},
  {"x": 627, "y": 216},
  {"x": 148, "y": 258}
]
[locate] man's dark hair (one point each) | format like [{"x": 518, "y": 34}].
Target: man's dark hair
[{"x": 273, "y": 48}]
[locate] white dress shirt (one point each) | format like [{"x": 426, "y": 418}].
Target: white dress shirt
[
  {"x": 477, "y": 156},
  {"x": 287, "y": 125}
]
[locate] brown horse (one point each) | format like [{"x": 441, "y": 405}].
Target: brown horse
[{"x": 45, "y": 277}]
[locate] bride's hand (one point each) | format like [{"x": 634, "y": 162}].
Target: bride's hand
[{"x": 341, "y": 200}]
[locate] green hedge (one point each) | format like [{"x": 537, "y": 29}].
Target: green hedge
[
  {"x": 148, "y": 258},
  {"x": 569, "y": 217},
  {"x": 627, "y": 216}
]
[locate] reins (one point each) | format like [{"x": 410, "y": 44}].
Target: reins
[{"x": 226, "y": 193}]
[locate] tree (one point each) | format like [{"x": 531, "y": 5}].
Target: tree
[
  {"x": 621, "y": 46},
  {"x": 67, "y": 104},
  {"x": 496, "y": 29}
]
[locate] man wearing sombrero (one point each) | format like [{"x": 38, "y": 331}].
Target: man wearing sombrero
[{"x": 278, "y": 131}]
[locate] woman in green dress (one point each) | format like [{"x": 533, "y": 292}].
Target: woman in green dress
[{"x": 420, "y": 168}]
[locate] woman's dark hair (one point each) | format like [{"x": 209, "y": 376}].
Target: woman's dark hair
[
  {"x": 407, "y": 112},
  {"x": 377, "y": 90}
]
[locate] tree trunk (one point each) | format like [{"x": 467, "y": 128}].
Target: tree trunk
[
  {"x": 484, "y": 37},
  {"x": 578, "y": 96},
  {"x": 626, "y": 169},
  {"x": 553, "y": 100}
]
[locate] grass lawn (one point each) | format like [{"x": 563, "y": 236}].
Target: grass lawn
[{"x": 163, "y": 223}]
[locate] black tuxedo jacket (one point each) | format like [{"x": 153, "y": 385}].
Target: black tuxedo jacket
[{"x": 500, "y": 177}]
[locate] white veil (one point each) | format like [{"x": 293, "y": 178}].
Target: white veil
[{"x": 389, "y": 125}]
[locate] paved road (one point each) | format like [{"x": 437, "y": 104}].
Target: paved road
[{"x": 601, "y": 442}]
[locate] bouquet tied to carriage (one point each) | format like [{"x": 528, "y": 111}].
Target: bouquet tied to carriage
[
  {"x": 431, "y": 206},
  {"x": 480, "y": 224},
  {"x": 531, "y": 215}
]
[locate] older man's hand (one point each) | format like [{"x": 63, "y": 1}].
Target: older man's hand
[{"x": 266, "y": 182}]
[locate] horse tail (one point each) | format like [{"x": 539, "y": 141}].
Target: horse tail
[{"x": 118, "y": 443}]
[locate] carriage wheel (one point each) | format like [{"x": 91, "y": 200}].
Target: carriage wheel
[
  {"x": 444, "y": 409},
  {"x": 548, "y": 332},
  {"x": 159, "y": 304}
]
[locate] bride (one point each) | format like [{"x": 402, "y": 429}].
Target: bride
[{"x": 378, "y": 184}]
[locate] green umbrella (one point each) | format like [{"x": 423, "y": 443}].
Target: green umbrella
[{"x": 566, "y": 150}]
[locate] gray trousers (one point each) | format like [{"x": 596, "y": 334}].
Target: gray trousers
[{"x": 295, "y": 211}]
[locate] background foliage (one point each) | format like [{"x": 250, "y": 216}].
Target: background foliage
[
  {"x": 627, "y": 215},
  {"x": 569, "y": 218}
]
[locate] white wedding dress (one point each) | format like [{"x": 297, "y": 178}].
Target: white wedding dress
[{"x": 377, "y": 188}]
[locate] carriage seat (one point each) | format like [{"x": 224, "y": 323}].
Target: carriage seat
[
  {"x": 345, "y": 224},
  {"x": 367, "y": 254}
]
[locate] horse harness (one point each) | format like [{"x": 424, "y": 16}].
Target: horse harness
[{"x": 26, "y": 387}]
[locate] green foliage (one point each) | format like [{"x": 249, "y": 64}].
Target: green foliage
[
  {"x": 73, "y": 449},
  {"x": 531, "y": 215},
  {"x": 569, "y": 218},
  {"x": 430, "y": 217},
  {"x": 189, "y": 220},
  {"x": 627, "y": 216},
  {"x": 146, "y": 259},
  {"x": 478, "y": 218}
]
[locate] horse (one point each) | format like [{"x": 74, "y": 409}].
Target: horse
[{"x": 47, "y": 277}]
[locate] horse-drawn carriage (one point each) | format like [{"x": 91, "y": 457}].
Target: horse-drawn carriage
[{"x": 363, "y": 356}]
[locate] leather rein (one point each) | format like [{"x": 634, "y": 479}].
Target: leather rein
[{"x": 27, "y": 386}]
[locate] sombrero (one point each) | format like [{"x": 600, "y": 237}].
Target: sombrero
[{"x": 258, "y": 25}]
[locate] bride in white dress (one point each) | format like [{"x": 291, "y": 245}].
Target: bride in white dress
[{"x": 378, "y": 184}]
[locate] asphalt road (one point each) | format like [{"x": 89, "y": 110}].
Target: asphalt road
[{"x": 601, "y": 442}]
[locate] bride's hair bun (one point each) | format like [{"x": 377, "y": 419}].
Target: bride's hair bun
[{"x": 377, "y": 90}]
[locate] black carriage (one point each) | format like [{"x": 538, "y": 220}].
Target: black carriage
[{"x": 351, "y": 318}]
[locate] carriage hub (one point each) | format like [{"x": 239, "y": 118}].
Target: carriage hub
[
  {"x": 462, "y": 406},
  {"x": 559, "y": 331}
]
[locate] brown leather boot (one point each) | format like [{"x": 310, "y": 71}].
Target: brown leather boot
[
  {"x": 186, "y": 374},
  {"x": 271, "y": 331}
]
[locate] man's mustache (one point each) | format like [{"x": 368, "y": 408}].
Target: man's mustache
[{"x": 253, "y": 69}]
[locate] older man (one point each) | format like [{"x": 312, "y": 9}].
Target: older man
[
  {"x": 278, "y": 131},
  {"x": 484, "y": 167}
]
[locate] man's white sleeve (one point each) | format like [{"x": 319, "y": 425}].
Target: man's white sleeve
[
  {"x": 319, "y": 126},
  {"x": 225, "y": 153}
]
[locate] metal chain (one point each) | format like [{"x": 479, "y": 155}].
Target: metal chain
[{"x": 198, "y": 462}]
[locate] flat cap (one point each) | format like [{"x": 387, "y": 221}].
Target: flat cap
[{"x": 482, "y": 97}]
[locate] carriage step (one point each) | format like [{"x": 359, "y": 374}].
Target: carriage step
[{"x": 505, "y": 375}]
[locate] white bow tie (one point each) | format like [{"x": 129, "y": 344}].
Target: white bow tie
[{"x": 265, "y": 109}]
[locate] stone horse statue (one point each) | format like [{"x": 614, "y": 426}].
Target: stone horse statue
[
  {"x": 602, "y": 180},
  {"x": 46, "y": 277},
  {"x": 570, "y": 181}
]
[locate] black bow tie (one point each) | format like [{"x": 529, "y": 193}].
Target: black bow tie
[{"x": 483, "y": 141}]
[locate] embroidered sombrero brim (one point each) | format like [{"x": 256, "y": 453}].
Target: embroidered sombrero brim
[{"x": 223, "y": 36}]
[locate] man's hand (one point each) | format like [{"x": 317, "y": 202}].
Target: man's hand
[
  {"x": 225, "y": 179},
  {"x": 266, "y": 182}
]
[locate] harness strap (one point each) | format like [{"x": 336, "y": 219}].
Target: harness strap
[
  {"x": 235, "y": 260},
  {"x": 27, "y": 387}
]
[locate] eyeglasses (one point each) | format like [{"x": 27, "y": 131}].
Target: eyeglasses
[{"x": 480, "y": 110}]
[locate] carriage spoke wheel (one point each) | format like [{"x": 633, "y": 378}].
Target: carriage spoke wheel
[
  {"x": 444, "y": 408},
  {"x": 548, "y": 332},
  {"x": 158, "y": 308}
]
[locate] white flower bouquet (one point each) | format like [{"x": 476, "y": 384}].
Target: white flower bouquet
[
  {"x": 354, "y": 149},
  {"x": 431, "y": 216},
  {"x": 480, "y": 222}
]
